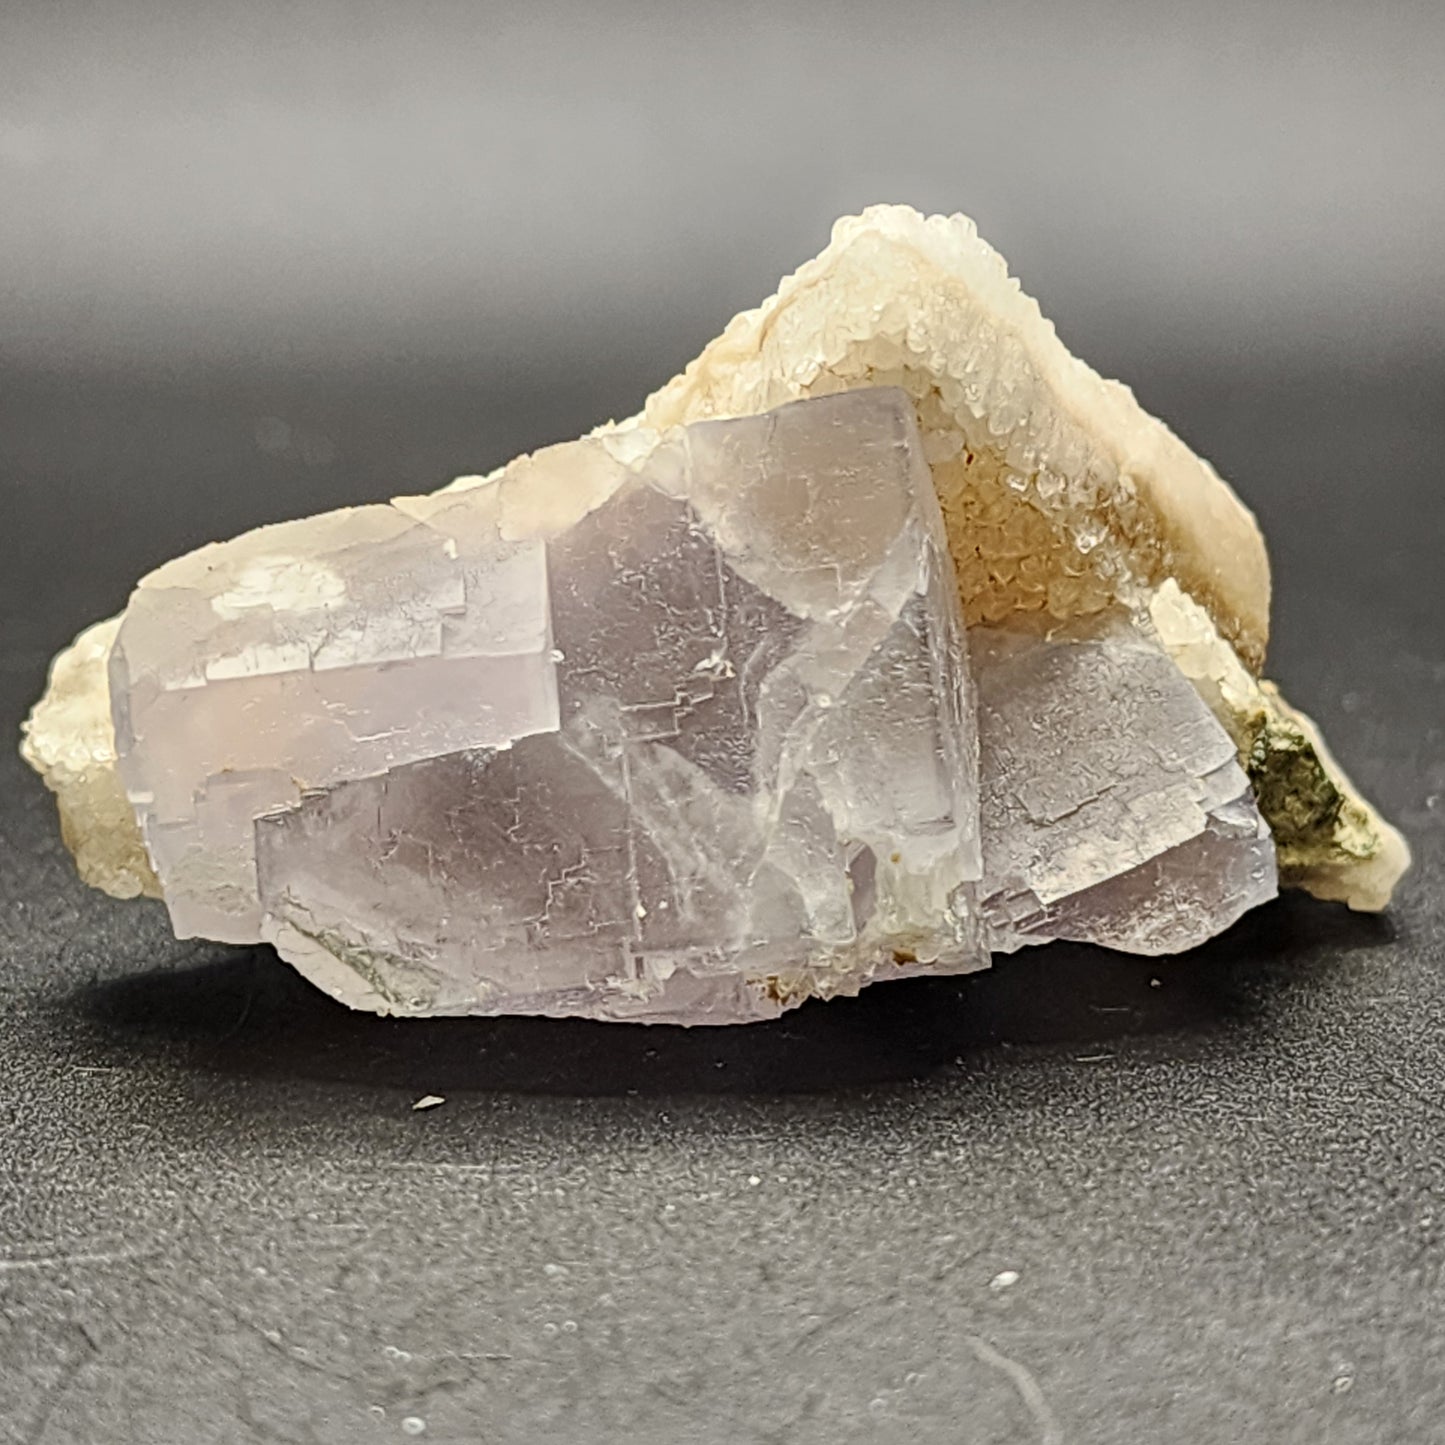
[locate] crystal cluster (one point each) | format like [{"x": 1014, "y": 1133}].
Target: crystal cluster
[
  {"x": 1062, "y": 497},
  {"x": 886, "y": 637}
]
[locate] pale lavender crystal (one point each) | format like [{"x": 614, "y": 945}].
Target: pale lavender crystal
[
  {"x": 698, "y": 750},
  {"x": 1114, "y": 809},
  {"x": 302, "y": 654}
]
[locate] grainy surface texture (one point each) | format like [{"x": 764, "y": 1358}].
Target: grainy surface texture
[{"x": 1081, "y": 1198}]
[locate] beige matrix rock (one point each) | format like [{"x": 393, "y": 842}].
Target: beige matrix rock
[{"x": 1064, "y": 503}]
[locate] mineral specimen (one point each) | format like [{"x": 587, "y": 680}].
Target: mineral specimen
[{"x": 678, "y": 721}]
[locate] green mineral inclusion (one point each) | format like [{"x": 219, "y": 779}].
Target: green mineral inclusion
[
  {"x": 1313, "y": 822},
  {"x": 383, "y": 972}
]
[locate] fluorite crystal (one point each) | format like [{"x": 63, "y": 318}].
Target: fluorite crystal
[
  {"x": 680, "y": 721},
  {"x": 686, "y": 737},
  {"x": 1114, "y": 809}
]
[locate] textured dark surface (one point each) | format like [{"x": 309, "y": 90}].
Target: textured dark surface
[{"x": 1219, "y": 1178}]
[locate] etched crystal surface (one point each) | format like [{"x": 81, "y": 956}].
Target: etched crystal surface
[
  {"x": 1114, "y": 809},
  {"x": 687, "y": 737},
  {"x": 302, "y": 654}
]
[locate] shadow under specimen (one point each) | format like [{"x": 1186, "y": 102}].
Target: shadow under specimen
[{"x": 245, "y": 1012}]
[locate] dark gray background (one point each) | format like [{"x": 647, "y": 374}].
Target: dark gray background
[{"x": 260, "y": 259}]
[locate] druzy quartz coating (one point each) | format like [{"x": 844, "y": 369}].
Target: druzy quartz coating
[{"x": 886, "y": 637}]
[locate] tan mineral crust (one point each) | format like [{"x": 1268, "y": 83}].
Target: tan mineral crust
[{"x": 1065, "y": 507}]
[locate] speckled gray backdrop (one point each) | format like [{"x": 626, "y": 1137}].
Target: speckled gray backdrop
[{"x": 258, "y": 260}]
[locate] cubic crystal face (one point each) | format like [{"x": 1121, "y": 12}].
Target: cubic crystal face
[
  {"x": 665, "y": 727},
  {"x": 1063, "y": 499},
  {"x": 300, "y": 655},
  {"x": 1114, "y": 809}
]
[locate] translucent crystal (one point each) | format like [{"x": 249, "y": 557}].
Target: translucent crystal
[
  {"x": 1063, "y": 499},
  {"x": 677, "y": 729},
  {"x": 1114, "y": 810},
  {"x": 302, "y": 654}
]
